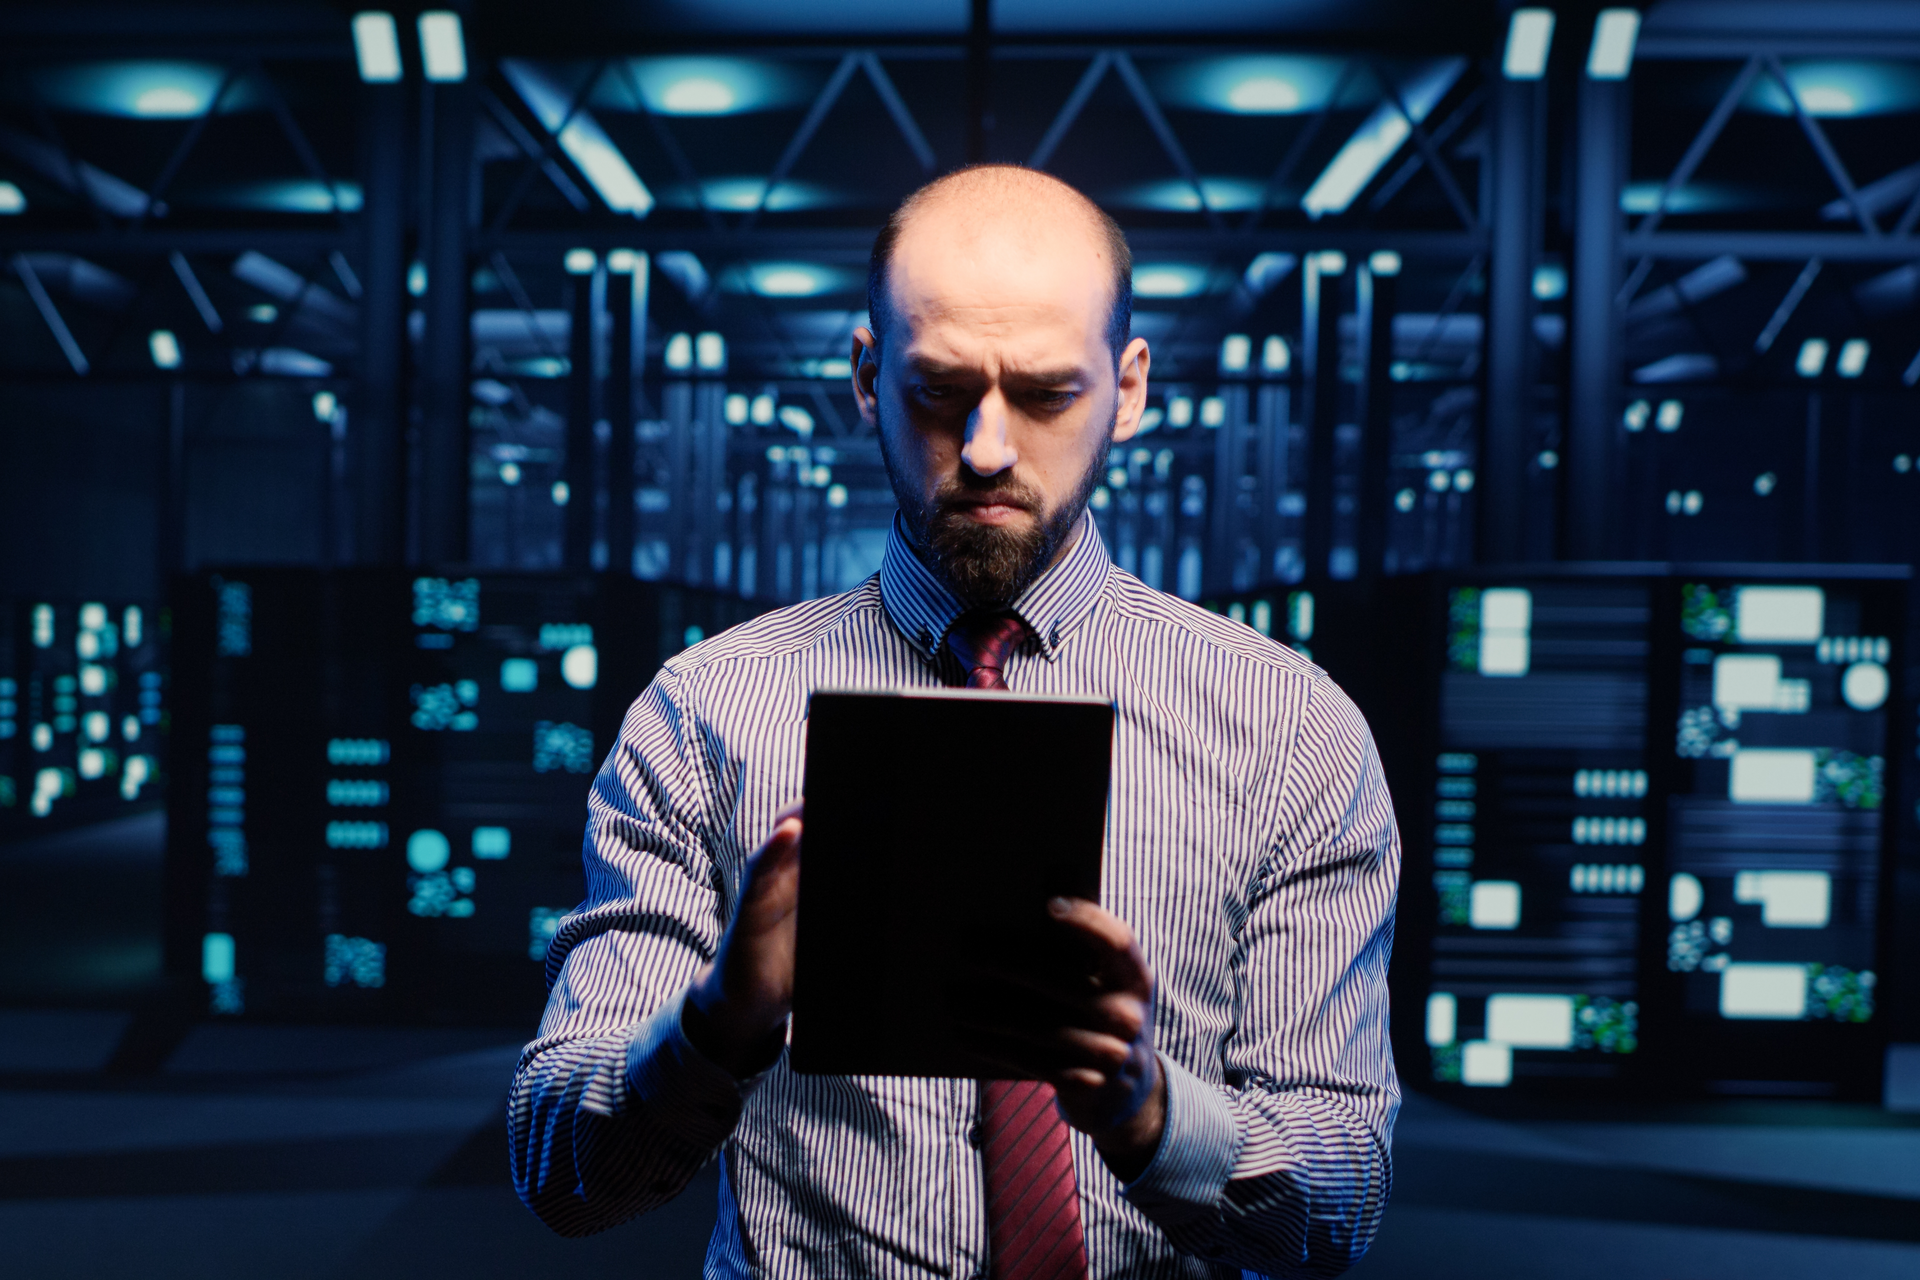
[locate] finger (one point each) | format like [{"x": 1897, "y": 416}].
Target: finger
[
  {"x": 1108, "y": 941},
  {"x": 1016, "y": 1002}
]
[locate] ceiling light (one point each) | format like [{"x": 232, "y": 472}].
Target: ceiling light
[
  {"x": 789, "y": 280},
  {"x": 579, "y": 262},
  {"x": 12, "y": 199},
  {"x": 1614, "y": 34},
  {"x": 1168, "y": 280},
  {"x": 1330, "y": 262},
  {"x": 442, "y": 51},
  {"x": 679, "y": 353},
  {"x": 1384, "y": 263},
  {"x": 376, "y": 46},
  {"x": 710, "y": 351},
  {"x": 1827, "y": 100},
  {"x": 1812, "y": 358},
  {"x": 165, "y": 350},
  {"x": 626, "y": 262},
  {"x": 1529, "y": 38},
  {"x": 1549, "y": 282},
  {"x": 168, "y": 100},
  {"x": 1275, "y": 355},
  {"x": 1236, "y": 353},
  {"x": 698, "y": 96},
  {"x": 1376, "y": 140},
  {"x": 582, "y": 138},
  {"x": 1853, "y": 358},
  {"x": 1263, "y": 95}
]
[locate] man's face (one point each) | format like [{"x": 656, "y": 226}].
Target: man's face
[{"x": 997, "y": 396}]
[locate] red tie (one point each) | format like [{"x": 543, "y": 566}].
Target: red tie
[{"x": 1033, "y": 1197}]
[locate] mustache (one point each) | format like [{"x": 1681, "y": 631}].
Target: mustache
[{"x": 968, "y": 491}]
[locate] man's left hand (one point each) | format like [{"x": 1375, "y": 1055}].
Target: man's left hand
[{"x": 1090, "y": 1035}]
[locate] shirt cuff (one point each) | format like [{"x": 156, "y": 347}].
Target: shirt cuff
[
  {"x": 1187, "y": 1175},
  {"x": 681, "y": 1088}
]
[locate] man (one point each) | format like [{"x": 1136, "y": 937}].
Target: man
[{"x": 1219, "y": 1096}]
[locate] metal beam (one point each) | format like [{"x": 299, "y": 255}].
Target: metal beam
[
  {"x": 1298, "y": 150},
  {"x": 1829, "y": 159},
  {"x": 1424, "y": 141},
  {"x": 1070, "y": 110},
  {"x": 851, "y": 244},
  {"x": 1834, "y": 246},
  {"x": 375, "y": 431},
  {"x": 1784, "y": 312},
  {"x": 902, "y": 118},
  {"x": 441, "y": 522},
  {"x": 23, "y": 268},
  {"x": 195, "y": 292},
  {"x": 816, "y": 115},
  {"x": 1169, "y": 143}
]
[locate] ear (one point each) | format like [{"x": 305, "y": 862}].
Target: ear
[
  {"x": 1132, "y": 401},
  {"x": 866, "y": 374}
]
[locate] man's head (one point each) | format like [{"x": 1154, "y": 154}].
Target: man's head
[{"x": 998, "y": 369}]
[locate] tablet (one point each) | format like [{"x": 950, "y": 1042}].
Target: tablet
[{"x": 938, "y": 824}]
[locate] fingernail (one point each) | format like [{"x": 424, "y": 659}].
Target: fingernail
[{"x": 1059, "y": 906}]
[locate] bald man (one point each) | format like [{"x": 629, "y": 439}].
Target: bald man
[{"x": 1214, "y": 1094}]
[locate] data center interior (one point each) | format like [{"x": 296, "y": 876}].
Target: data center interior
[{"x": 385, "y": 394}]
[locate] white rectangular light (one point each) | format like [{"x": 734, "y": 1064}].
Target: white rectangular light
[
  {"x": 1615, "y": 32},
  {"x": 1763, "y": 991},
  {"x": 442, "y": 50},
  {"x": 1442, "y": 1018},
  {"x": 1529, "y": 39},
  {"x": 1486, "y": 1064},
  {"x": 1779, "y": 615},
  {"x": 1494, "y": 904},
  {"x": 1377, "y": 140},
  {"x": 1788, "y": 899},
  {"x": 1772, "y": 775},
  {"x": 1531, "y": 1022},
  {"x": 1812, "y": 358},
  {"x": 376, "y": 45},
  {"x": 1853, "y": 358},
  {"x": 164, "y": 348}
]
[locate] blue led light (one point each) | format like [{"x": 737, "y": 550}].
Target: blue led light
[
  {"x": 1168, "y": 279},
  {"x": 492, "y": 843},
  {"x": 519, "y": 675},
  {"x": 710, "y": 86},
  {"x": 1251, "y": 85},
  {"x": 1839, "y": 89},
  {"x": 428, "y": 850}
]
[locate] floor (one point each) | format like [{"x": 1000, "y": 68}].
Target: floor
[{"x": 291, "y": 1152}]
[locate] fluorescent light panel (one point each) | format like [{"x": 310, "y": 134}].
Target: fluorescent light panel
[
  {"x": 442, "y": 50},
  {"x": 1614, "y": 33},
  {"x": 1529, "y": 39},
  {"x": 584, "y": 141},
  {"x": 1377, "y": 140},
  {"x": 376, "y": 46}
]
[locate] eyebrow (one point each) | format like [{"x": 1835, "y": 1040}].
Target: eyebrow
[{"x": 1029, "y": 377}]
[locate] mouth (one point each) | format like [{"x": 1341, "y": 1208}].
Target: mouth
[{"x": 989, "y": 509}]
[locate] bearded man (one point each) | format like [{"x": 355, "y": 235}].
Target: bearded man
[{"x": 1219, "y": 1097}]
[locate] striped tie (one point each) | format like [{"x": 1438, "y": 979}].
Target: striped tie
[{"x": 1033, "y": 1197}]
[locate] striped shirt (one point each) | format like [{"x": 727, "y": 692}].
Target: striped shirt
[{"x": 1250, "y": 844}]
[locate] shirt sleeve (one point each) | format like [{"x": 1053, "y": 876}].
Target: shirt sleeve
[
  {"x": 1285, "y": 1168},
  {"x": 612, "y": 1110}
]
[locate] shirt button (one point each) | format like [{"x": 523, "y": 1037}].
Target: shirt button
[{"x": 974, "y": 1136}]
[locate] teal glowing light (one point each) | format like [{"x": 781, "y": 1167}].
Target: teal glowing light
[
  {"x": 1168, "y": 280},
  {"x": 1249, "y": 86},
  {"x": 714, "y": 86},
  {"x": 1226, "y": 195},
  {"x": 141, "y": 90},
  {"x": 799, "y": 279},
  {"x": 1840, "y": 89},
  {"x": 739, "y": 195}
]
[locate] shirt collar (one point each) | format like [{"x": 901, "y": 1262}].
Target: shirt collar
[{"x": 922, "y": 608}]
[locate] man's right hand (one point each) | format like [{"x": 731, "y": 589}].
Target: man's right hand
[{"x": 738, "y": 1005}]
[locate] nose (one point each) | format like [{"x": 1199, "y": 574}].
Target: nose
[{"x": 987, "y": 451}]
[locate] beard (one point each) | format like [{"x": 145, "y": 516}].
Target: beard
[{"x": 988, "y": 566}]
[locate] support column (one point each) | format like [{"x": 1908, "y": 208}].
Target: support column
[
  {"x": 623, "y": 304},
  {"x": 1593, "y": 411},
  {"x": 1510, "y": 372},
  {"x": 1375, "y": 415},
  {"x": 1320, "y": 327},
  {"x": 577, "y": 466},
  {"x": 444, "y": 448},
  {"x": 376, "y": 436}
]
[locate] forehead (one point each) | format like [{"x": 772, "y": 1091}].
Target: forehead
[{"x": 1041, "y": 273}]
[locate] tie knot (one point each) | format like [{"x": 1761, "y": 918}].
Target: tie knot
[{"x": 982, "y": 642}]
